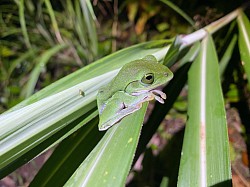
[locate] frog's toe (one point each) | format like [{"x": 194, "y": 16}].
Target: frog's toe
[
  {"x": 159, "y": 93},
  {"x": 157, "y": 98}
]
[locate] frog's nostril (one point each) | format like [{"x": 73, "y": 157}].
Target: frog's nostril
[{"x": 166, "y": 74}]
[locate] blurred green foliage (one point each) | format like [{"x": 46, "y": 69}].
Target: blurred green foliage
[{"x": 29, "y": 33}]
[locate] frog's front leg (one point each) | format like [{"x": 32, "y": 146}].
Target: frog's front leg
[{"x": 118, "y": 106}]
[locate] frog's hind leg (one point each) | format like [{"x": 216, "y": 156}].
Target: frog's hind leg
[
  {"x": 116, "y": 109},
  {"x": 117, "y": 116}
]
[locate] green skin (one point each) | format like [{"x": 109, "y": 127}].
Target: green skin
[{"x": 134, "y": 84}]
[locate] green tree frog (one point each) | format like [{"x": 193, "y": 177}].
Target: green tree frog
[{"x": 135, "y": 84}]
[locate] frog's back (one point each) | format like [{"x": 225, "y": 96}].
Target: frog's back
[{"x": 130, "y": 72}]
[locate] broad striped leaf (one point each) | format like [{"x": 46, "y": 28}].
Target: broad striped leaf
[
  {"x": 205, "y": 154},
  {"x": 110, "y": 161}
]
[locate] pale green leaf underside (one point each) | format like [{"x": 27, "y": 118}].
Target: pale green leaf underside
[{"x": 45, "y": 117}]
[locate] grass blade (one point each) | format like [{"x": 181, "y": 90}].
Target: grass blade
[
  {"x": 23, "y": 24},
  {"x": 42, "y": 61},
  {"x": 89, "y": 22},
  {"x": 53, "y": 20},
  {"x": 227, "y": 55},
  {"x": 92, "y": 13},
  {"x": 206, "y": 149},
  {"x": 19, "y": 60},
  {"x": 179, "y": 11},
  {"x": 244, "y": 42}
]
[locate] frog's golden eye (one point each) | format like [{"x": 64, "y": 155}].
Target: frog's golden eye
[{"x": 148, "y": 78}]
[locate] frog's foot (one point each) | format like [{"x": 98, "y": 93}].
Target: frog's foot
[
  {"x": 151, "y": 95},
  {"x": 158, "y": 95}
]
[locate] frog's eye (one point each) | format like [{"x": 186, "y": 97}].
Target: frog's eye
[{"x": 148, "y": 78}]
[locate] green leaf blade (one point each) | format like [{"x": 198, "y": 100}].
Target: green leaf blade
[
  {"x": 244, "y": 42},
  {"x": 23, "y": 24},
  {"x": 206, "y": 147},
  {"x": 78, "y": 146},
  {"x": 179, "y": 11},
  {"x": 42, "y": 61},
  {"x": 109, "y": 163},
  {"x": 40, "y": 120}
]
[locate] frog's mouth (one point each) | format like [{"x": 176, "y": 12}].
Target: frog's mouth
[{"x": 152, "y": 94}]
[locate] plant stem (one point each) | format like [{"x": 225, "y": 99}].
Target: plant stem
[
  {"x": 190, "y": 39},
  {"x": 215, "y": 26}
]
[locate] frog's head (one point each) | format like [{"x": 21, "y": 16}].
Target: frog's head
[{"x": 147, "y": 74}]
